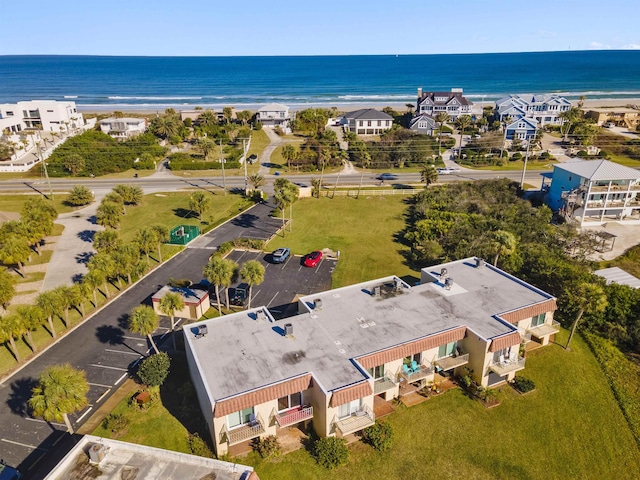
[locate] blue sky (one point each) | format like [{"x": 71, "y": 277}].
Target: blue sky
[{"x": 329, "y": 27}]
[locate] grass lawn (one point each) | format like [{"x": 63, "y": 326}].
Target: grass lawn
[
  {"x": 629, "y": 262},
  {"x": 363, "y": 230},
  {"x": 515, "y": 165},
  {"x": 15, "y": 202},
  {"x": 623, "y": 160}
]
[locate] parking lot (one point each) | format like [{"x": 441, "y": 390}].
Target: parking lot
[{"x": 284, "y": 282}]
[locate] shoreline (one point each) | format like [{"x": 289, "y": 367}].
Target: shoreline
[{"x": 342, "y": 107}]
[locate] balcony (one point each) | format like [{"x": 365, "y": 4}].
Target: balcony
[
  {"x": 292, "y": 417},
  {"x": 360, "y": 419},
  {"x": 545, "y": 329},
  {"x": 423, "y": 372},
  {"x": 508, "y": 366},
  {"x": 245, "y": 432},
  {"x": 383, "y": 384},
  {"x": 448, "y": 363}
]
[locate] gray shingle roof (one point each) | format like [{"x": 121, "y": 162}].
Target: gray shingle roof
[
  {"x": 368, "y": 114},
  {"x": 599, "y": 170}
]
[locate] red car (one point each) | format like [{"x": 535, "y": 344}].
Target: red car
[{"x": 312, "y": 259}]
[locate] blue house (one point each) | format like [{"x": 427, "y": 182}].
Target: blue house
[{"x": 523, "y": 128}]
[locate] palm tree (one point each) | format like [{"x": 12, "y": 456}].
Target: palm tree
[
  {"x": 256, "y": 180},
  {"x": 102, "y": 265},
  {"x": 146, "y": 239},
  {"x": 162, "y": 234},
  {"x": 288, "y": 153},
  {"x": 462, "y": 122},
  {"x": 441, "y": 118},
  {"x": 77, "y": 296},
  {"x": 292, "y": 192},
  {"x": 589, "y": 298},
  {"x": 125, "y": 258},
  {"x": 164, "y": 126},
  {"x": 206, "y": 146},
  {"x": 282, "y": 200},
  {"x": 220, "y": 272},
  {"x": 109, "y": 214},
  {"x": 74, "y": 163},
  {"x": 252, "y": 272},
  {"x": 91, "y": 281},
  {"x": 502, "y": 243},
  {"x": 208, "y": 118},
  {"x": 11, "y": 327},
  {"x": 198, "y": 202},
  {"x": 64, "y": 298},
  {"x": 32, "y": 318},
  {"x": 7, "y": 288},
  {"x": 15, "y": 251},
  {"x": 79, "y": 196},
  {"x": 49, "y": 303},
  {"x": 61, "y": 390},
  {"x": 107, "y": 241},
  {"x": 569, "y": 117},
  {"x": 168, "y": 305},
  {"x": 429, "y": 175},
  {"x": 227, "y": 113},
  {"x": 130, "y": 194},
  {"x": 144, "y": 320}
]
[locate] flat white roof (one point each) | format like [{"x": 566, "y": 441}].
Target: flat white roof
[
  {"x": 619, "y": 276},
  {"x": 248, "y": 350}
]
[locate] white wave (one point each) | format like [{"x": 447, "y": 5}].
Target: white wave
[
  {"x": 71, "y": 96},
  {"x": 117, "y": 97}
]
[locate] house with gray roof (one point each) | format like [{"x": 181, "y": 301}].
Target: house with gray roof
[
  {"x": 367, "y": 121},
  {"x": 424, "y": 124},
  {"x": 274, "y": 115},
  {"x": 543, "y": 109},
  {"x": 594, "y": 192},
  {"x": 452, "y": 103},
  {"x": 523, "y": 128}
]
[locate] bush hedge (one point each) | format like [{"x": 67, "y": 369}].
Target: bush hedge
[
  {"x": 379, "y": 436},
  {"x": 523, "y": 385},
  {"x": 331, "y": 452}
]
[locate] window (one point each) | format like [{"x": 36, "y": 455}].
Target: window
[
  {"x": 379, "y": 123},
  {"x": 538, "y": 319},
  {"x": 368, "y": 123},
  {"x": 9, "y": 114},
  {"x": 360, "y": 123},
  {"x": 447, "y": 350},
  {"x": 417, "y": 357},
  {"x": 49, "y": 111},
  {"x": 501, "y": 355},
  {"x": 239, "y": 418},
  {"x": 376, "y": 372},
  {"x": 348, "y": 409},
  {"x": 290, "y": 401}
]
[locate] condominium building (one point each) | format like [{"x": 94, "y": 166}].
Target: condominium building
[
  {"x": 593, "y": 192},
  {"x": 351, "y": 347},
  {"x": 544, "y": 109},
  {"x": 452, "y": 103},
  {"x": 47, "y": 115}
]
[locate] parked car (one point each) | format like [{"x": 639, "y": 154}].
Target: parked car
[
  {"x": 387, "y": 176},
  {"x": 280, "y": 255},
  {"x": 240, "y": 295},
  {"x": 253, "y": 158},
  {"x": 312, "y": 259}
]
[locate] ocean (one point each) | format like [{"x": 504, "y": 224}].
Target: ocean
[{"x": 129, "y": 83}]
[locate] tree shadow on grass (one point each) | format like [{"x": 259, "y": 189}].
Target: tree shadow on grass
[
  {"x": 21, "y": 391},
  {"x": 184, "y": 213}
]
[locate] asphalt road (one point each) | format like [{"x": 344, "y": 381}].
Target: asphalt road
[{"x": 104, "y": 348}]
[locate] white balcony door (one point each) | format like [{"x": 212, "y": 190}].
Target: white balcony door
[{"x": 348, "y": 409}]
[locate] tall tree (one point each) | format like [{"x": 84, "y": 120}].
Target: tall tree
[
  {"x": 206, "y": 145},
  {"x": 49, "y": 303},
  {"x": 162, "y": 235},
  {"x": 429, "y": 175},
  {"x": 569, "y": 118},
  {"x": 169, "y": 304},
  {"x": 32, "y": 318},
  {"x": 227, "y": 113},
  {"x": 588, "y": 298},
  {"x": 7, "y": 288},
  {"x": 107, "y": 241},
  {"x": 502, "y": 243},
  {"x": 125, "y": 259},
  {"x": 252, "y": 272},
  {"x": 11, "y": 327},
  {"x": 64, "y": 298},
  {"x": 288, "y": 153},
  {"x": 256, "y": 180},
  {"x": 131, "y": 194},
  {"x": 102, "y": 266},
  {"x": 220, "y": 272},
  {"x": 208, "y": 118},
  {"x": 109, "y": 214},
  {"x": 462, "y": 122},
  {"x": 15, "y": 251},
  {"x": 198, "y": 202},
  {"x": 144, "y": 321},
  {"x": 61, "y": 390},
  {"x": 441, "y": 118},
  {"x": 77, "y": 296},
  {"x": 91, "y": 281},
  {"x": 146, "y": 239}
]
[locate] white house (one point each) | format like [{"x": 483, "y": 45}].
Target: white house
[
  {"x": 367, "y": 121},
  {"x": 123, "y": 128},
  {"x": 452, "y": 103},
  {"x": 544, "y": 109},
  {"x": 595, "y": 191},
  {"x": 274, "y": 115},
  {"x": 47, "y": 115}
]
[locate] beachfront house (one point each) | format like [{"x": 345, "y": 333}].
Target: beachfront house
[
  {"x": 46, "y": 115},
  {"x": 424, "y": 124},
  {"x": 594, "y": 192},
  {"x": 619, "y": 116},
  {"x": 523, "y": 128},
  {"x": 274, "y": 115},
  {"x": 452, "y": 103},
  {"x": 123, "y": 128},
  {"x": 367, "y": 121},
  {"x": 543, "y": 109},
  {"x": 349, "y": 351}
]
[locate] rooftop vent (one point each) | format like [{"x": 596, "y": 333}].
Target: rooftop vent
[
  {"x": 288, "y": 329},
  {"x": 479, "y": 262},
  {"x": 317, "y": 304},
  {"x": 260, "y": 315},
  {"x": 202, "y": 331},
  {"x": 448, "y": 283},
  {"x": 97, "y": 453},
  {"x": 444, "y": 273},
  {"x": 376, "y": 291}
]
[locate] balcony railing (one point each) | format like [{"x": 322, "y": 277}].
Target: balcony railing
[
  {"x": 383, "y": 384},
  {"x": 448, "y": 363},
  {"x": 545, "y": 329},
  {"x": 245, "y": 432},
  {"x": 358, "y": 420},
  {"x": 423, "y": 372},
  {"x": 294, "y": 416},
  {"x": 508, "y": 366}
]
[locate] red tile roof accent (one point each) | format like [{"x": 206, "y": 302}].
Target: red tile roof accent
[
  {"x": 262, "y": 395},
  {"x": 348, "y": 394},
  {"x": 530, "y": 311},
  {"x": 413, "y": 347},
  {"x": 505, "y": 341}
]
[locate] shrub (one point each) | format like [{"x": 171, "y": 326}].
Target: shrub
[
  {"x": 331, "y": 452},
  {"x": 115, "y": 422},
  {"x": 225, "y": 247},
  {"x": 582, "y": 154},
  {"x": 154, "y": 370},
  {"x": 249, "y": 243},
  {"x": 523, "y": 385},
  {"x": 267, "y": 447},
  {"x": 379, "y": 436},
  {"x": 197, "y": 446},
  {"x": 516, "y": 156},
  {"x": 79, "y": 196}
]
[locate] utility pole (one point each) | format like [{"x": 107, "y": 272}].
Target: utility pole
[
  {"x": 244, "y": 149},
  {"x": 222, "y": 160},
  {"x": 526, "y": 158},
  {"x": 44, "y": 167}
]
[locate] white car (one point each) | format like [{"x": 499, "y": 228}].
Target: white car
[{"x": 448, "y": 171}]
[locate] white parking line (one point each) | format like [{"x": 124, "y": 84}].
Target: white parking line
[
  {"x": 318, "y": 266},
  {"x": 102, "y": 396},
  {"x": 43, "y": 421},
  {"x": 274, "y": 297},
  {"x": 99, "y": 385},
  {"x": 107, "y": 366},
  {"x": 33, "y": 447},
  {"x": 122, "y": 351},
  {"x": 83, "y": 415},
  {"x": 134, "y": 338},
  {"x": 122, "y": 378},
  {"x": 35, "y": 462}
]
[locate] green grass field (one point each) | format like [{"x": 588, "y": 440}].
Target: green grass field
[
  {"x": 370, "y": 253},
  {"x": 15, "y": 202}
]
